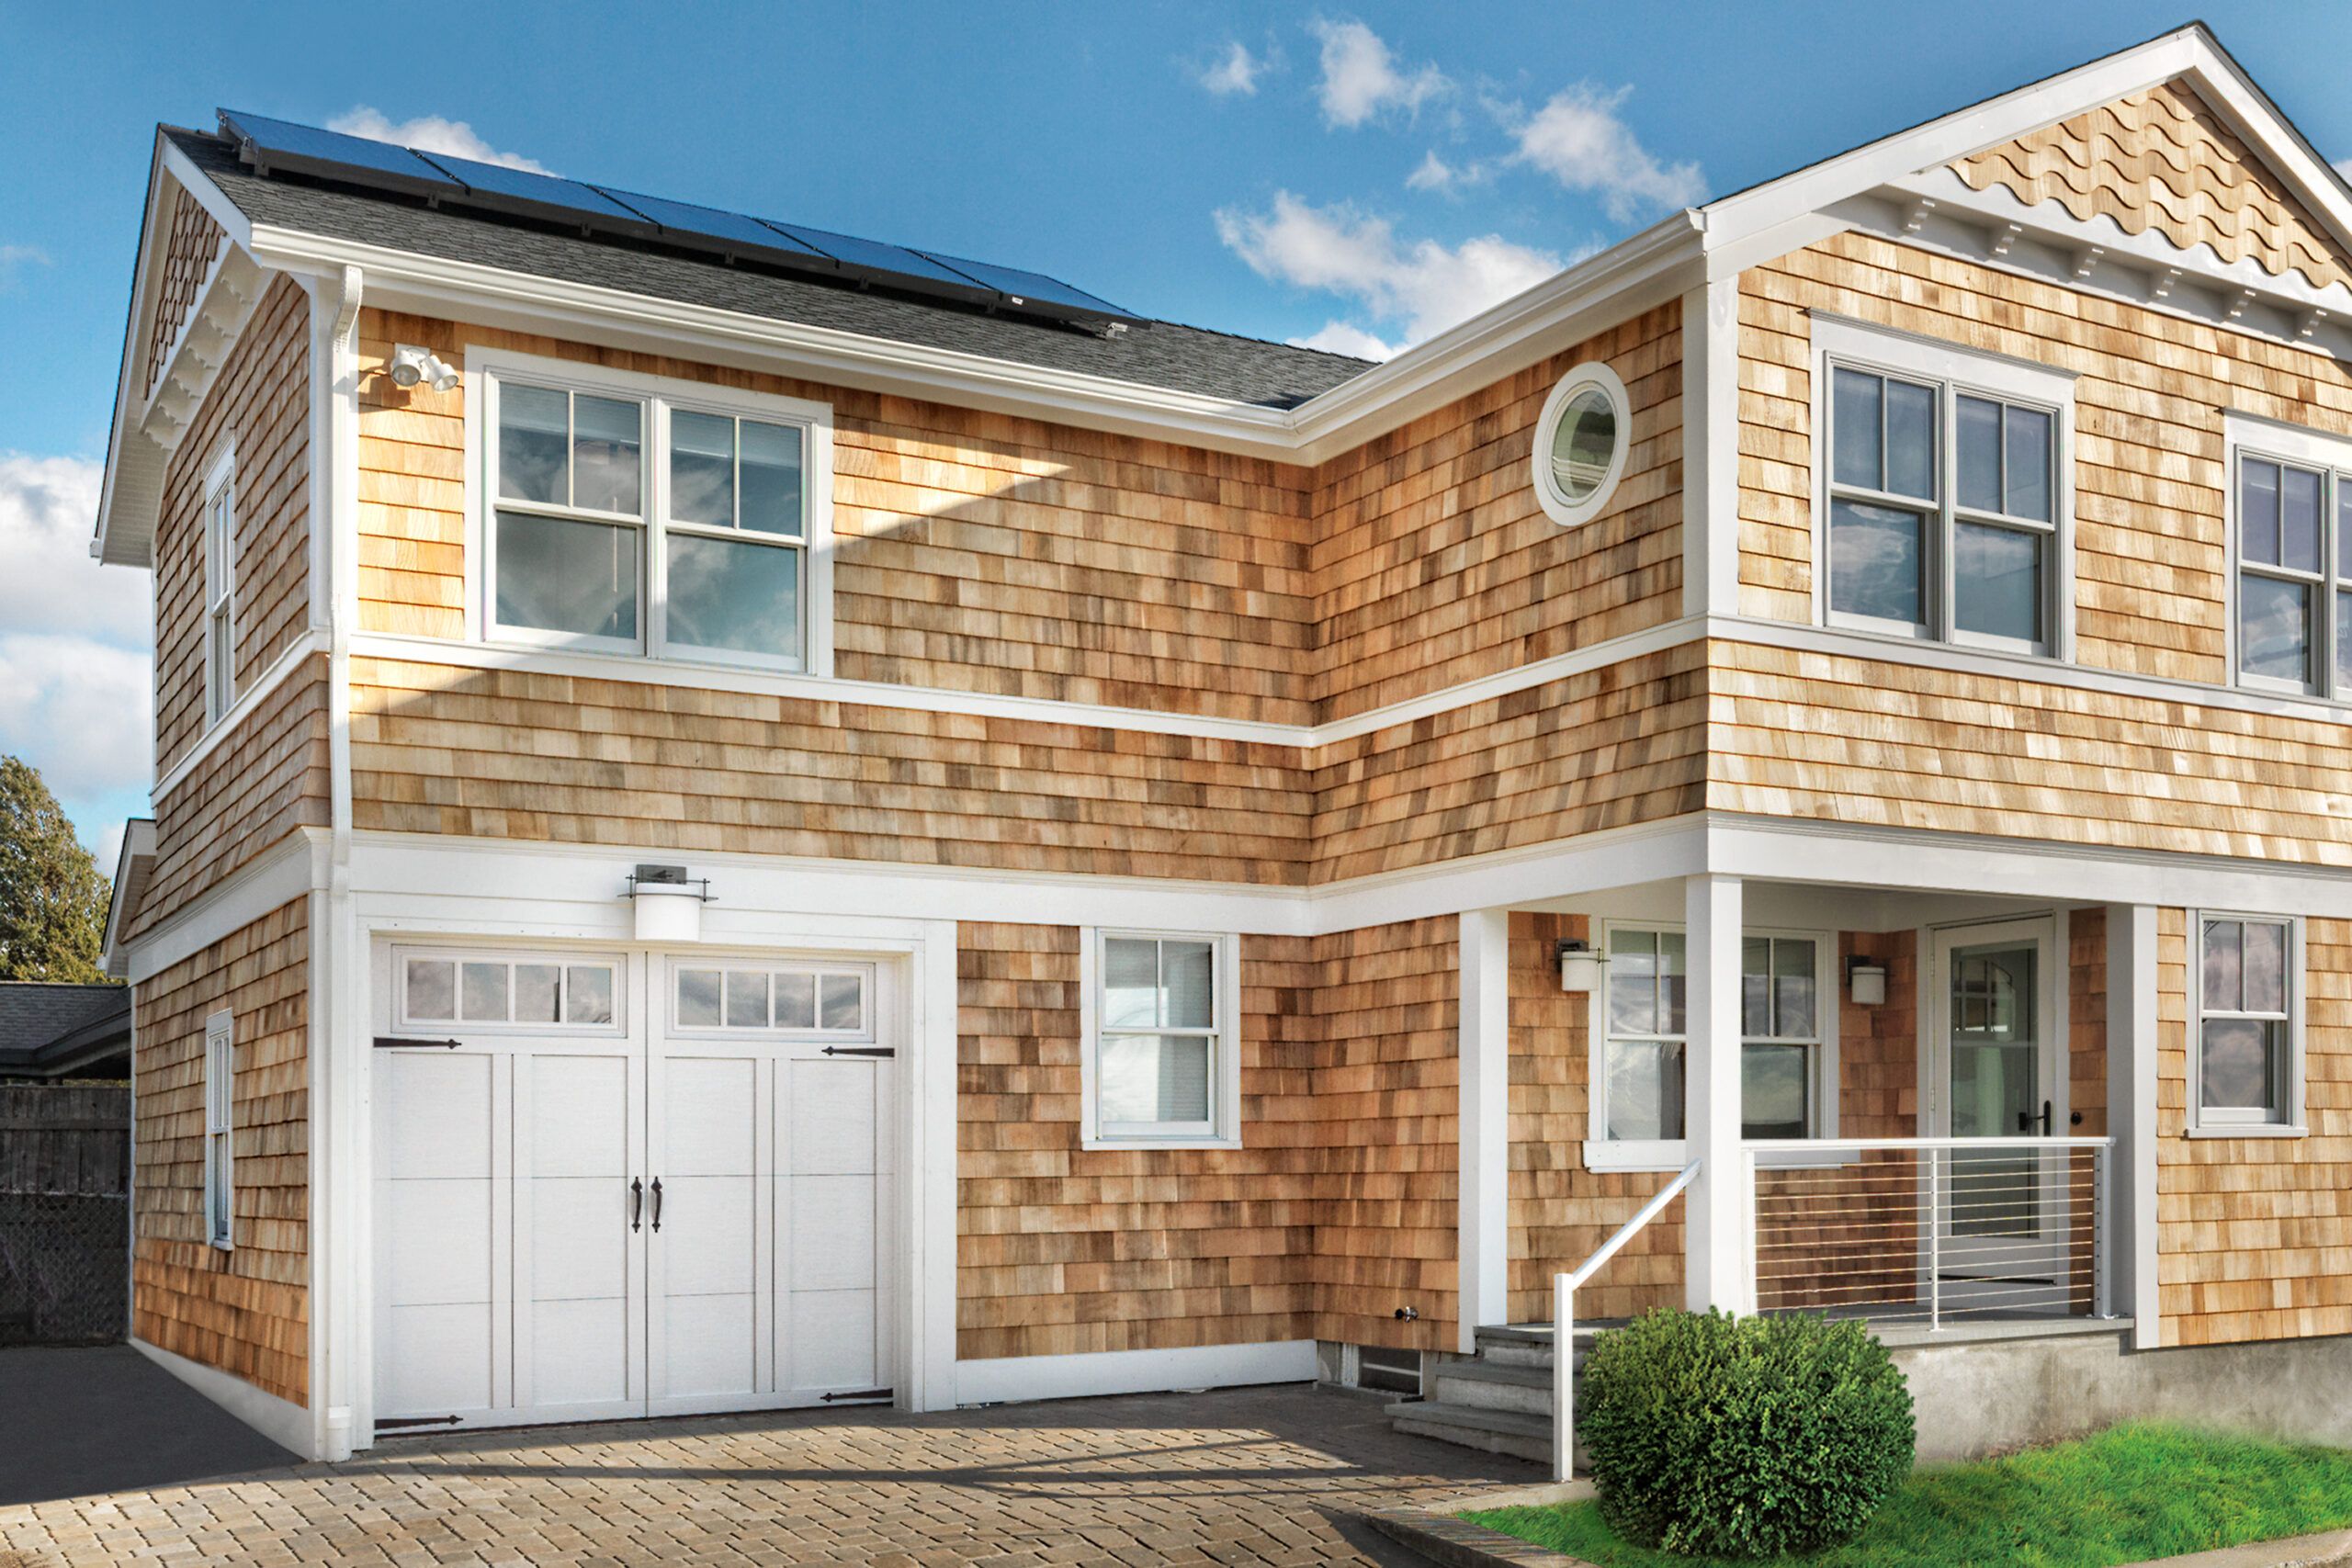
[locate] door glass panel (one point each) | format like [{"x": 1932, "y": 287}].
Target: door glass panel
[{"x": 1996, "y": 1088}]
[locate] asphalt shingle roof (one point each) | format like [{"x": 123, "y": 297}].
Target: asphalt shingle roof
[
  {"x": 34, "y": 1013},
  {"x": 1160, "y": 353}
]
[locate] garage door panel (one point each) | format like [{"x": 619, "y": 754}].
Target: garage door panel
[
  {"x": 437, "y": 1359},
  {"x": 829, "y": 1232},
  {"x": 579, "y": 1237},
  {"x": 709, "y": 1235},
  {"x": 440, "y": 1245},
  {"x": 710, "y": 1345},
  {"x": 580, "y": 1116},
  {"x": 829, "y": 1117},
  {"x": 580, "y": 1351},
  {"x": 829, "y": 1341},
  {"x": 710, "y": 1117},
  {"x": 440, "y": 1109}
]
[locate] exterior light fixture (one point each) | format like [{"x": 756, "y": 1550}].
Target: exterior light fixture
[
  {"x": 1579, "y": 967},
  {"x": 1866, "y": 982},
  {"x": 411, "y": 364},
  {"x": 667, "y": 905}
]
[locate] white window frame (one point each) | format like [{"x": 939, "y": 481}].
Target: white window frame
[
  {"x": 220, "y": 1131},
  {"x": 220, "y": 587},
  {"x": 660, "y": 395},
  {"x": 404, "y": 1023},
  {"x": 1559, "y": 507},
  {"x": 2218, "y": 1122},
  {"x": 1954, "y": 371},
  {"x": 1603, "y": 1153},
  {"x": 1224, "y": 1130},
  {"x": 772, "y": 967},
  {"x": 2248, "y": 436}
]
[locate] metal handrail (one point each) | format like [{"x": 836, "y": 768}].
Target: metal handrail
[
  {"x": 1564, "y": 1321},
  {"x": 1865, "y": 1146}
]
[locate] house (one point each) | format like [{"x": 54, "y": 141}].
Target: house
[{"x": 746, "y": 818}]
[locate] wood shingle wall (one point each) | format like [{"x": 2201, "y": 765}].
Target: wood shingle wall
[
  {"x": 244, "y": 1310},
  {"x": 190, "y": 246}
]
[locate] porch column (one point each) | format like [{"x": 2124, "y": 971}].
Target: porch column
[
  {"x": 1715, "y": 1261},
  {"x": 2131, "y": 1219},
  {"x": 1485, "y": 1123}
]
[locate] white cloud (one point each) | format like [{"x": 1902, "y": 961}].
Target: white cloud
[
  {"x": 2343, "y": 166},
  {"x": 75, "y": 689},
  {"x": 1579, "y": 140},
  {"x": 1426, "y": 286},
  {"x": 1435, "y": 173},
  {"x": 13, "y": 258},
  {"x": 1361, "y": 77},
  {"x": 1235, "y": 72},
  {"x": 430, "y": 133},
  {"x": 1344, "y": 337}
]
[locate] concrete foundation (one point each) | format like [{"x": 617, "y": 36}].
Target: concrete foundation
[{"x": 1992, "y": 1395}]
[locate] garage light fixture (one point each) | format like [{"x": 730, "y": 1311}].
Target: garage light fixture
[
  {"x": 1579, "y": 967},
  {"x": 1866, "y": 982},
  {"x": 668, "y": 905},
  {"x": 411, "y": 364}
]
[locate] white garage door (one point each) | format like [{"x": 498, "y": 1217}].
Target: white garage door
[{"x": 631, "y": 1186}]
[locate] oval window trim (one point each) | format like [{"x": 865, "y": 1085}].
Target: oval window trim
[{"x": 1557, "y": 506}]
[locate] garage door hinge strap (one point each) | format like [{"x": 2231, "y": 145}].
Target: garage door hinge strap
[
  {"x": 870, "y": 1395},
  {"x": 851, "y": 1051},
  {"x": 394, "y": 1423},
  {"x": 399, "y": 1042}
]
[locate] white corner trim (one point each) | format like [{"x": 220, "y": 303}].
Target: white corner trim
[
  {"x": 1010, "y": 1379},
  {"x": 1483, "y": 1191},
  {"x": 1710, "y": 449},
  {"x": 281, "y": 1421},
  {"x": 927, "y": 1093}
]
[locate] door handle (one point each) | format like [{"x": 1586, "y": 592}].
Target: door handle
[
  {"x": 2026, "y": 1118},
  {"x": 657, "y": 1205},
  {"x": 636, "y": 1205}
]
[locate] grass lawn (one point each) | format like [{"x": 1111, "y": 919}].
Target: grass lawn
[{"x": 2123, "y": 1496}]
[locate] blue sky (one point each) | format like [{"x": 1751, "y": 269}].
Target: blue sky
[{"x": 1359, "y": 176}]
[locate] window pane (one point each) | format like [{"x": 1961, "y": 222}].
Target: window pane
[
  {"x": 1773, "y": 1085},
  {"x": 2344, "y": 639},
  {"x": 481, "y": 995},
  {"x": 1756, "y": 987},
  {"x": 534, "y": 427},
  {"x": 1671, "y": 983},
  {"x": 772, "y": 478},
  {"x": 1153, "y": 1078},
  {"x": 2259, "y": 510},
  {"x": 2029, "y": 464},
  {"x": 1910, "y": 439},
  {"x": 2274, "y": 628},
  {"x": 567, "y": 576},
  {"x": 1633, "y": 982},
  {"x": 1996, "y": 581},
  {"x": 747, "y": 999},
  {"x": 432, "y": 988},
  {"x": 1854, "y": 416},
  {"x": 2343, "y": 528},
  {"x": 2299, "y": 519},
  {"x": 1187, "y": 970},
  {"x": 698, "y": 999},
  {"x": 1130, "y": 983},
  {"x": 535, "y": 992},
  {"x": 732, "y": 594},
  {"x": 1583, "y": 443},
  {"x": 844, "y": 1002},
  {"x": 1979, "y": 437},
  {"x": 588, "y": 993},
  {"x": 702, "y": 468},
  {"x": 1644, "y": 1090},
  {"x": 795, "y": 1001},
  {"x": 1876, "y": 562},
  {"x": 1792, "y": 990},
  {"x": 607, "y": 447},
  {"x": 2240, "y": 1067},
  {"x": 2265, "y": 967},
  {"x": 2224, "y": 966}
]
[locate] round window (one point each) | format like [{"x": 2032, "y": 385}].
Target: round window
[{"x": 1581, "y": 443}]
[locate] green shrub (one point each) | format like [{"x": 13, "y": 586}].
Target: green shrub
[{"x": 1750, "y": 1436}]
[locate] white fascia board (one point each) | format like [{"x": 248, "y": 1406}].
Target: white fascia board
[
  {"x": 137, "y": 841},
  {"x": 293, "y": 868},
  {"x": 143, "y": 282},
  {"x": 2232, "y": 94}
]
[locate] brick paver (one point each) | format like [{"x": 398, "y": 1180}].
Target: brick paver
[{"x": 1239, "y": 1479}]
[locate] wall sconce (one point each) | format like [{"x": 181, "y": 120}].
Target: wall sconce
[
  {"x": 411, "y": 365},
  {"x": 1866, "y": 982},
  {"x": 1579, "y": 967},
  {"x": 668, "y": 905}
]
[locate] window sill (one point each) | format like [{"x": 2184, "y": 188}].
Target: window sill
[
  {"x": 2251, "y": 1130},
  {"x": 1091, "y": 1143}
]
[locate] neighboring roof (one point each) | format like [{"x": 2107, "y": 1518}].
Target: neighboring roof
[
  {"x": 49, "y": 1029},
  {"x": 1159, "y": 354}
]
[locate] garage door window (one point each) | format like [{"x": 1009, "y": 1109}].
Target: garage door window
[
  {"x": 798, "y": 1000},
  {"x": 534, "y": 990}
]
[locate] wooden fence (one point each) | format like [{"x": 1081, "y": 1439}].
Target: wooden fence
[{"x": 64, "y": 1213}]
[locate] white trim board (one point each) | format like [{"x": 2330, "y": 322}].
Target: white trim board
[
  {"x": 280, "y": 1420},
  {"x": 1015, "y": 1379},
  {"x": 290, "y": 870}
]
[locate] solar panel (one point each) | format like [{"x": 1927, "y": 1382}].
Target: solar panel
[
  {"x": 874, "y": 256},
  {"x": 276, "y": 143},
  {"x": 730, "y": 232},
  {"x": 549, "y": 195},
  {"x": 1027, "y": 287}
]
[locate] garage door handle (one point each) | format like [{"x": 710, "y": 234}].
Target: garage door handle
[
  {"x": 636, "y": 1203},
  {"x": 657, "y": 1205}
]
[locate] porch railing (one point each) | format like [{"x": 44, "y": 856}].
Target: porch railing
[
  {"x": 1930, "y": 1232},
  {"x": 1564, "y": 1322}
]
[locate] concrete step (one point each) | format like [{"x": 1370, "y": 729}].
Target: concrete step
[
  {"x": 1527, "y": 1344},
  {"x": 1469, "y": 1427},
  {"x": 1487, "y": 1385}
]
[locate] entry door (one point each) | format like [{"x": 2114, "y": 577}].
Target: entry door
[{"x": 2000, "y": 1216}]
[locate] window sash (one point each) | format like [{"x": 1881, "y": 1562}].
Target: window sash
[
  {"x": 1215, "y": 1035},
  {"x": 2327, "y": 671},
  {"x": 2280, "y": 1109},
  {"x": 220, "y": 1126},
  {"x": 1599, "y": 1127}
]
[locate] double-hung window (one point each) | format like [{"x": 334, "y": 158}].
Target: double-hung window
[
  {"x": 2293, "y": 543},
  {"x": 663, "y": 518},
  {"x": 1945, "y": 491},
  {"x": 1780, "y": 1036},
  {"x": 219, "y": 1129},
  {"x": 2247, "y": 1078},
  {"x": 1161, "y": 1056},
  {"x": 220, "y": 589}
]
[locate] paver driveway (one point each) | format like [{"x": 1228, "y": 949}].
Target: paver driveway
[{"x": 1243, "y": 1477}]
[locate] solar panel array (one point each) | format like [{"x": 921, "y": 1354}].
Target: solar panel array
[{"x": 275, "y": 145}]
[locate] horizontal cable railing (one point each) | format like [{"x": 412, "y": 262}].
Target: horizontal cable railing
[{"x": 1930, "y": 1233}]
